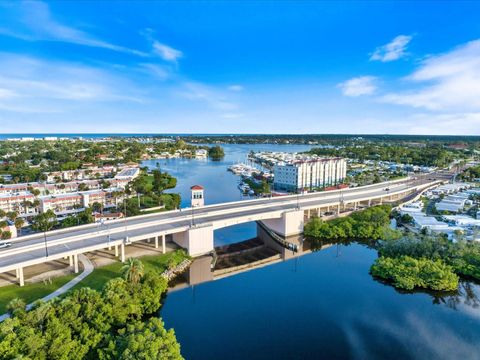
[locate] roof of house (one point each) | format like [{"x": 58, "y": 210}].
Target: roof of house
[{"x": 196, "y": 187}]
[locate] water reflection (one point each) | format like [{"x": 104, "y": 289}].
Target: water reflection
[
  {"x": 468, "y": 294},
  {"x": 321, "y": 304},
  {"x": 307, "y": 304}
]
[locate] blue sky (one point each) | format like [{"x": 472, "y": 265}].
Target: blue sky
[{"x": 240, "y": 67}]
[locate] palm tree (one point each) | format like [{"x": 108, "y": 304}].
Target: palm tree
[
  {"x": 133, "y": 270},
  {"x": 19, "y": 222},
  {"x": 12, "y": 215},
  {"x": 45, "y": 222}
]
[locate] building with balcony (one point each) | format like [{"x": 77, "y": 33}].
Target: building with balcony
[
  {"x": 20, "y": 202},
  {"x": 309, "y": 174}
]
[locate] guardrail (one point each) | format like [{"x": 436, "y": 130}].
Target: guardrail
[
  {"x": 121, "y": 229},
  {"x": 252, "y": 217},
  {"x": 253, "y": 202}
]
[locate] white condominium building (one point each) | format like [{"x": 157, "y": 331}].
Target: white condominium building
[{"x": 309, "y": 174}]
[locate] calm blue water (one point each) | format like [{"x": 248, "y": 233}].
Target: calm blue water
[
  {"x": 323, "y": 305},
  {"x": 220, "y": 185},
  {"x": 319, "y": 306}
]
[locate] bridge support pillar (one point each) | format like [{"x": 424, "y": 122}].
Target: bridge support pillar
[
  {"x": 164, "y": 249},
  {"x": 122, "y": 252},
  {"x": 21, "y": 280},
  {"x": 156, "y": 242},
  {"x": 116, "y": 250},
  {"x": 17, "y": 274},
  {"x": 70, "y": 260},
  {"x": 75, "y": 263},
  {"x": 197, "y": 240},
  {"x": 369, "y": 202},
  {"x": 290, "y": 223}
]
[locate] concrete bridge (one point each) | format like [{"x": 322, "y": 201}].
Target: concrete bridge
[{"x": 193, "y": 228}]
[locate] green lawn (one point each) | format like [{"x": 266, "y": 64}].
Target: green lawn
[
  {"x": 96, "y": 280},
  {"x": 30, "y": 292}
]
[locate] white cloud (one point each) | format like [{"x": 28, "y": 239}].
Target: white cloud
[
  {"x": 162, "y": 50},
  {"x": 441, "y": 124},
  {"x": 166, "y": 52},
  {"x": 236, "y": 87},
  {"x": 394, "y": 50},
  {"x": 34, "y": 22},
  {"x": 362, "y": 85},
  {"x": 30, "y": 84},
  {"x": 213, "y": 98},
  {"x": 232, "y": 115},
  {"x": 159, "y": 71},
  {"x": 7, "y": 94},
  {"x": 446, "y": 82}
]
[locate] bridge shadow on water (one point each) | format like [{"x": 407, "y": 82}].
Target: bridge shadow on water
[{"x": 234, "y": 253}]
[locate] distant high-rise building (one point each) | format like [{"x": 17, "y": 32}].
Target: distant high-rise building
[{"x": 308, "y": 174}]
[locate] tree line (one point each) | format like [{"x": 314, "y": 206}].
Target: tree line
[
  {"x": 406, "y": 261},
  {"x": 119, "y": 322}
]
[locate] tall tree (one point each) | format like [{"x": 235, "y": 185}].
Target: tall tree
[
  {"x": 45, "y": 222},
  {"x": 133, "y": 270}
]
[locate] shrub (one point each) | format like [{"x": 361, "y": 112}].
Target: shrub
[
  {"x": 88, "y": 324},
  {"x": 408, "y": 273}
]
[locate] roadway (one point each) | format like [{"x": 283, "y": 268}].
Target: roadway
[
  {"x": 31, "y": 247},
  {"x": 121, "y": 225}
]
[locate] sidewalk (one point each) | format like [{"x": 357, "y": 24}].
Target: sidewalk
[{"x": 88, "y": 268}]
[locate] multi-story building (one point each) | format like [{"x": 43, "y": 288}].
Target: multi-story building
[
  {"x": 11, "y": 189},
  {"x": 63, "y": 204},
  {"x": 20, "y": 202},
  {"x": 51, "y": 189},
  {"x": 128, "y": 173},
  {"x": 102, "y": 197},
  {"x": 80, "y": 174},
  {"x": 309, "y": 174}
]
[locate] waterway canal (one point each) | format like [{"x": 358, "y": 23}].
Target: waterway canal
[{"x": 323, "y": 305}]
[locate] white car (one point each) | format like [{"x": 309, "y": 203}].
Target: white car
[{"x": 5, "y": 244}]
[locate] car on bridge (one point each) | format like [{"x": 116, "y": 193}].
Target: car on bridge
[{"x": 5, "y": 244}]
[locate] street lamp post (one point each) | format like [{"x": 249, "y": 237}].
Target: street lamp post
[
  {"x": 341, "y": 200},
  {"x": 45, "y": 240},
  {"x": 298, "y": 199},
  {"x": 125, "y": 217}
]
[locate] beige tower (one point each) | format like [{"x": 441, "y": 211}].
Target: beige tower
[{"x": 197, "y": 196}]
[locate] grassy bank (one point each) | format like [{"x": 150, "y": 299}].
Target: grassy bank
[
  {"x": 100, "y": 276},
  {"x": 30, "y": 292},
  {"x": 96, "y": 280}
]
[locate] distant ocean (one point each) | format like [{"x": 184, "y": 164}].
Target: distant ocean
[
  {"x": 366, "y": 136},
  {"x": 94, "y": 136}
]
